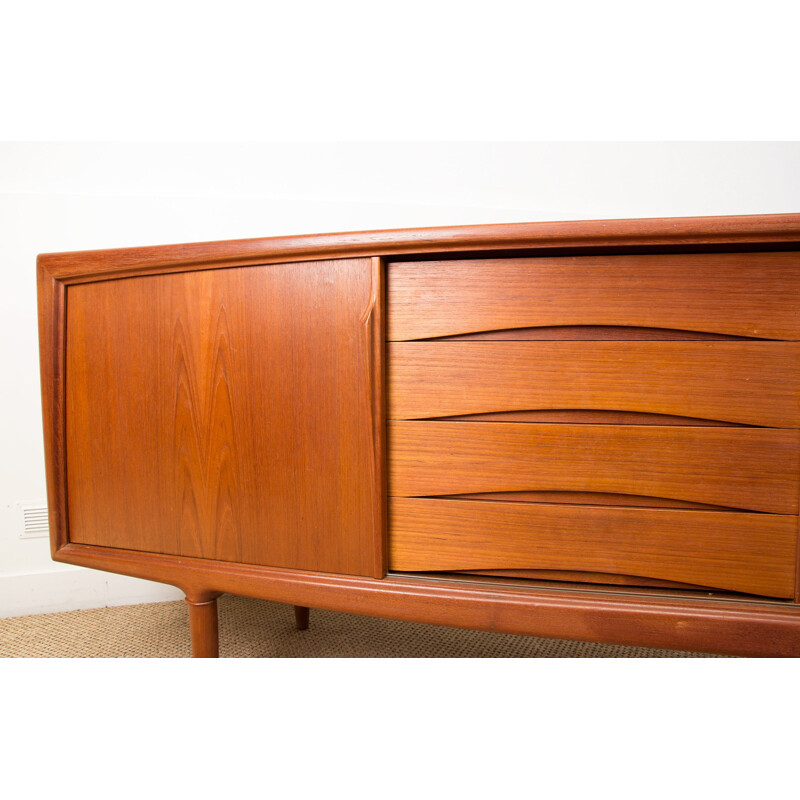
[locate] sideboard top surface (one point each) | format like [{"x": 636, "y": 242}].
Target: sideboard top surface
[{"x": 766, "y": 230}]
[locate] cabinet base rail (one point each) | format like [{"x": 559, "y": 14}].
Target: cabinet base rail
[{"x": 726, "y": 626}]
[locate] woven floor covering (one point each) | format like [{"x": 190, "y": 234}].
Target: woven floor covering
[{"x": 259, "y": 629}]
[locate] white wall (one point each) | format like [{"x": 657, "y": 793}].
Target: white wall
[{"x": 86, "y": 196}]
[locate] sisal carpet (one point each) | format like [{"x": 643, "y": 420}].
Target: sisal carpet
[{"x": 259, "y": 629}]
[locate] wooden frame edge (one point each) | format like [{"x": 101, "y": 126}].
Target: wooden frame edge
[
  {"x": 88, "y": 265},
  {"x": 372, "y": 337},
  {"x": 378, "y": 361},
  {"x": 727, "y": 627},
  {"x": 52, "y": 311}
]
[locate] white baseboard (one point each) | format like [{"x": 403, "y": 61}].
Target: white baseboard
[{"x": 71, "y": 589}]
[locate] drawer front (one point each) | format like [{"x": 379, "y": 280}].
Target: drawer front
[
  {"x": 754, "y": 383},
  {"x": 738, "y": 294},
  {"x": 753, "y": 469},
  {"x": 741, "y": 552}
]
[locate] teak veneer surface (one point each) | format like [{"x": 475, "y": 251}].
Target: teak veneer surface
[
  {"x": 227, "y": 414},
  {"x": 742, "y": 294},
  {"x": 744, "y": 468},
  {"x": 756, "y": 383},
  {"x": 739, "y": 552}
]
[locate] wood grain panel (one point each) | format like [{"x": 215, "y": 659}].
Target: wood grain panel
[
  {"x": 745, "y": 468},
  {"x": 229, "y": 414},
  {"x": 752, "y": 553},
  {"x": 756, "y": 383},
  {"x": 742, "y": 294}
]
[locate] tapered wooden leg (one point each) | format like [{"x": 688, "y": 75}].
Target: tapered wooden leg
[
  {"x": 204, "y": 626},
  {"x": 301, "y": 614}
]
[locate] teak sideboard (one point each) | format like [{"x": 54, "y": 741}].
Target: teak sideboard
[{"x": 584, "y": 430}]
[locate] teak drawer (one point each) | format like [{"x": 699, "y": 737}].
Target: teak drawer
[
  {"x": 754, "y": 383},
  {"x": 739, "y": 552},
  {"x": 753, "y": 469},
  {"x": 736, "y": 294}
]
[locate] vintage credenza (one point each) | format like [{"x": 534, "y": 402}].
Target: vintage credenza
[{"x": 586, "y": 430}]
